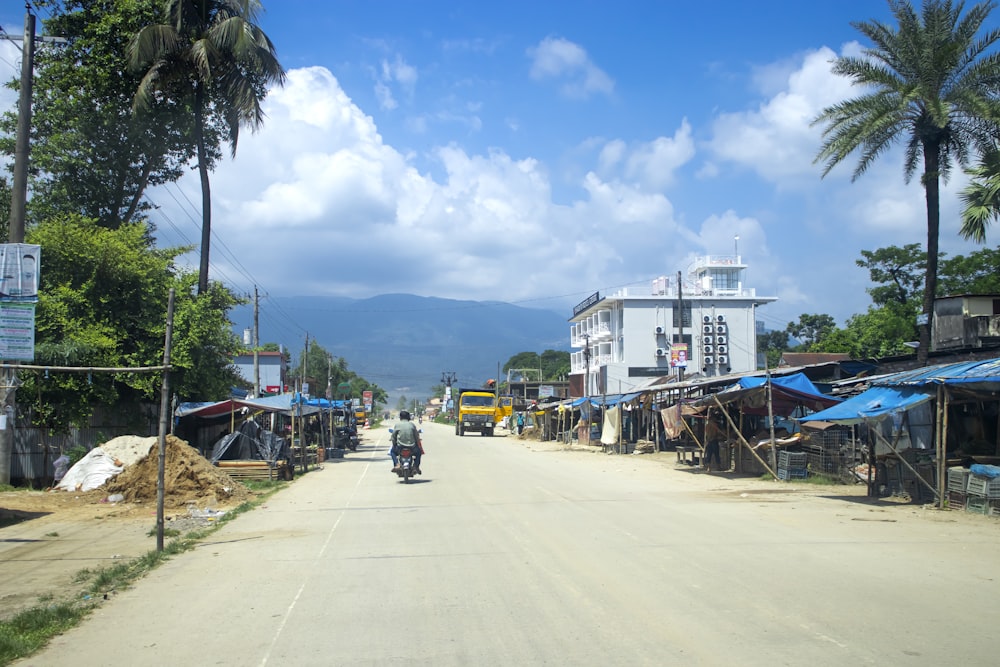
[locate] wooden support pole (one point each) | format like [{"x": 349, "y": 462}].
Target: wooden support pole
[
  {"x": 905, "y": 462},
  {"x": 747, "y": 444}
]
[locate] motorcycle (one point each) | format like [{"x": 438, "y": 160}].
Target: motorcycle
[
  {"x": 346, "y": 438},
  {"x": 407, "y": 463}
]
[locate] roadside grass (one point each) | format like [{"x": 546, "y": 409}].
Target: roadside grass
[
  {"x": 812, "y": 478},
  {"x": 31, "y": 629}
]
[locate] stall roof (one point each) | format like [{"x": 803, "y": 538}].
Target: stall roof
[
  {"x": 787, "y": 393},
  {"x": 204, "y": 409},
  {"x": 985, "y": 373},
  {"x": 283, "y": 403},
  {"x": 876, "y": 403}
]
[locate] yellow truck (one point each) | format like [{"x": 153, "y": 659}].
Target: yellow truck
[
  {"x": 475, "y": 410},
  {"x": 505, "y": 409}
]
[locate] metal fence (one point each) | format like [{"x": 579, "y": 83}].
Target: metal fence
[{"x": 34, "y": 449}]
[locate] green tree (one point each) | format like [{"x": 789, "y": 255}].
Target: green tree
[
  {"x": 773, "y": 343},
  {"x": 931, "y": 82},
  {"x": 898, "y": 273},
  {"x": 977, "y": 273},
  {"x": 90, "y": 155},
  {"x": 981, "y": 197},
  {"x": 880, "y": 332},
  {"x": 209, "y": 57},
  {"x": 552, "y": 364},
  {"x": 103, "y": 303},
  {"x": 810, "y": 330},
  {"x": 402, "y": 403}
]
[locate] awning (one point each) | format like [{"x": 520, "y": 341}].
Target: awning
[
  {"x": 876, "y": 403},
  {"x": 787, "y": 394},
  {"x": 204, "y": 409}
]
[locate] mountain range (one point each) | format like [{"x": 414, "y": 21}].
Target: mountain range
[{"x": 405, "y": 343}]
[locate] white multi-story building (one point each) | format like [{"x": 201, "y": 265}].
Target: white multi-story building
[{"x": 703, "y": 323}]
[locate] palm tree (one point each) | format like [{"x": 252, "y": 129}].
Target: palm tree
[
  {"x": 982, "y": 197},
  {"x": 212, "y": 59},
  {"x": 930, "y": 83}
]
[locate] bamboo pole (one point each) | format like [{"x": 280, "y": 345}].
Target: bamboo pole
[
  {"x": 905, "y": 462},
  {"x": 747, "y": 444},
  {"x": 164, "y": 419}
]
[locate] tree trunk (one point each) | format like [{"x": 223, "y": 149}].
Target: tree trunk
[
  {"x": 932, "y": 192},
  {"x": 206, "y": 196}
]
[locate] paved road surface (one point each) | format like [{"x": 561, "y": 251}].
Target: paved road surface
[{"x": 501, "y": 555}]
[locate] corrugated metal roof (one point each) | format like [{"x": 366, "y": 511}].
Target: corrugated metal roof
[{"x": 966, "y": 372}]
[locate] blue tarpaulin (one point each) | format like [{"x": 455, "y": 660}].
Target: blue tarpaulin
[
  {"x": 788, "y": 393},
  {"x": 875, "y": 403}
]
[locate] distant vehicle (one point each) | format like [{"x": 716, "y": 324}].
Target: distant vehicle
[{"x": 475, "y": 410}]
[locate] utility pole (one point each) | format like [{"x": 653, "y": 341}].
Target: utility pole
[
  {"x": 15, "y": 230},
  {"x": 256, "y": 343},
  {"x": 448, "y": 377},
  {"x": 680, "y": 323},
  {"x": 586, "y": 362},
  {"x": 19, "y": 194}
]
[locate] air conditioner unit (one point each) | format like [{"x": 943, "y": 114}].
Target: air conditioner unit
[
  {"x": 708, "y": 349},
  {"x": 720, "y": 329},
  {"x": 723, "y": 349},
  {"x": 658, "y": 331},
  {"x": 707, "y": 340},
  {"x": 720, "y": 340},
  {"x": 707, "y": 319},
  {"x": 723, "y": 359},
  {"x": 721, "y": 319},
  {"x": 709, "y": 361},
  {"x": 707, "y": 328},
  {"x": 660, "y": 352}
]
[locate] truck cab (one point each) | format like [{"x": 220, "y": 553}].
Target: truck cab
[{"x": 475, "y": 410}]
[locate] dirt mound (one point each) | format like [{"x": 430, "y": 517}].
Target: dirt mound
[{"x": 187, "y": 478}]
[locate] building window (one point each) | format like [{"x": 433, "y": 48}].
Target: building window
[
  {"x": 726, "y": 279},
  {"x": 687, "y": 341},
  {"x": 686, "y": 310}
]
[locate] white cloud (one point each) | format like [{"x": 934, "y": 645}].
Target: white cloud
[
  {"x": 397, "y": 72},
  {"x": 563, "y": 60},
  {"x": 777, "y": 139},
  {"x": 316, "y": 202}
]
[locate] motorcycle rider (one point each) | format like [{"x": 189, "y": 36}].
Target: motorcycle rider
[{"x": 406, "y": 434}]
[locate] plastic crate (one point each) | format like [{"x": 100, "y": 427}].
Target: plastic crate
[
  {"x": 792, "y": 473},
  {"x": 983, "y": 487},
  {"x": 792, "y": 459},
  {"x": 958, "y": 479},
  {"x": 956, "y": 500},
  {"x": 977, "y": 505}
]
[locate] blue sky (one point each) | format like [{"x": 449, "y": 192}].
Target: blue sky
[{"x": 536, "y": 152}]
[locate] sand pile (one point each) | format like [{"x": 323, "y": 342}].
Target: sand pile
[
  {"x": 129, "y": 449},
  {"x": 187, "y": 478}
]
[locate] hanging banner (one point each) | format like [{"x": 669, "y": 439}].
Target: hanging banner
[
  {"x": 679, "y": 355},
  {"x": 19, "y": 264},
  {"x": 17, "y": 331}
]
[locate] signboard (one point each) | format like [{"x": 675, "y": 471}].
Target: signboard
[
  {"x": 586, "y": 303},
  {"x": 922, "y": 319},
  {"x": 679, "y": 355},
  {"x": 17, "y": 331},
  {"x": 546, "y": 391},
  {"x": 366, "y": 396},
  {"x": 19, "y": 264},
  {"x": 647, "y": 371}
]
